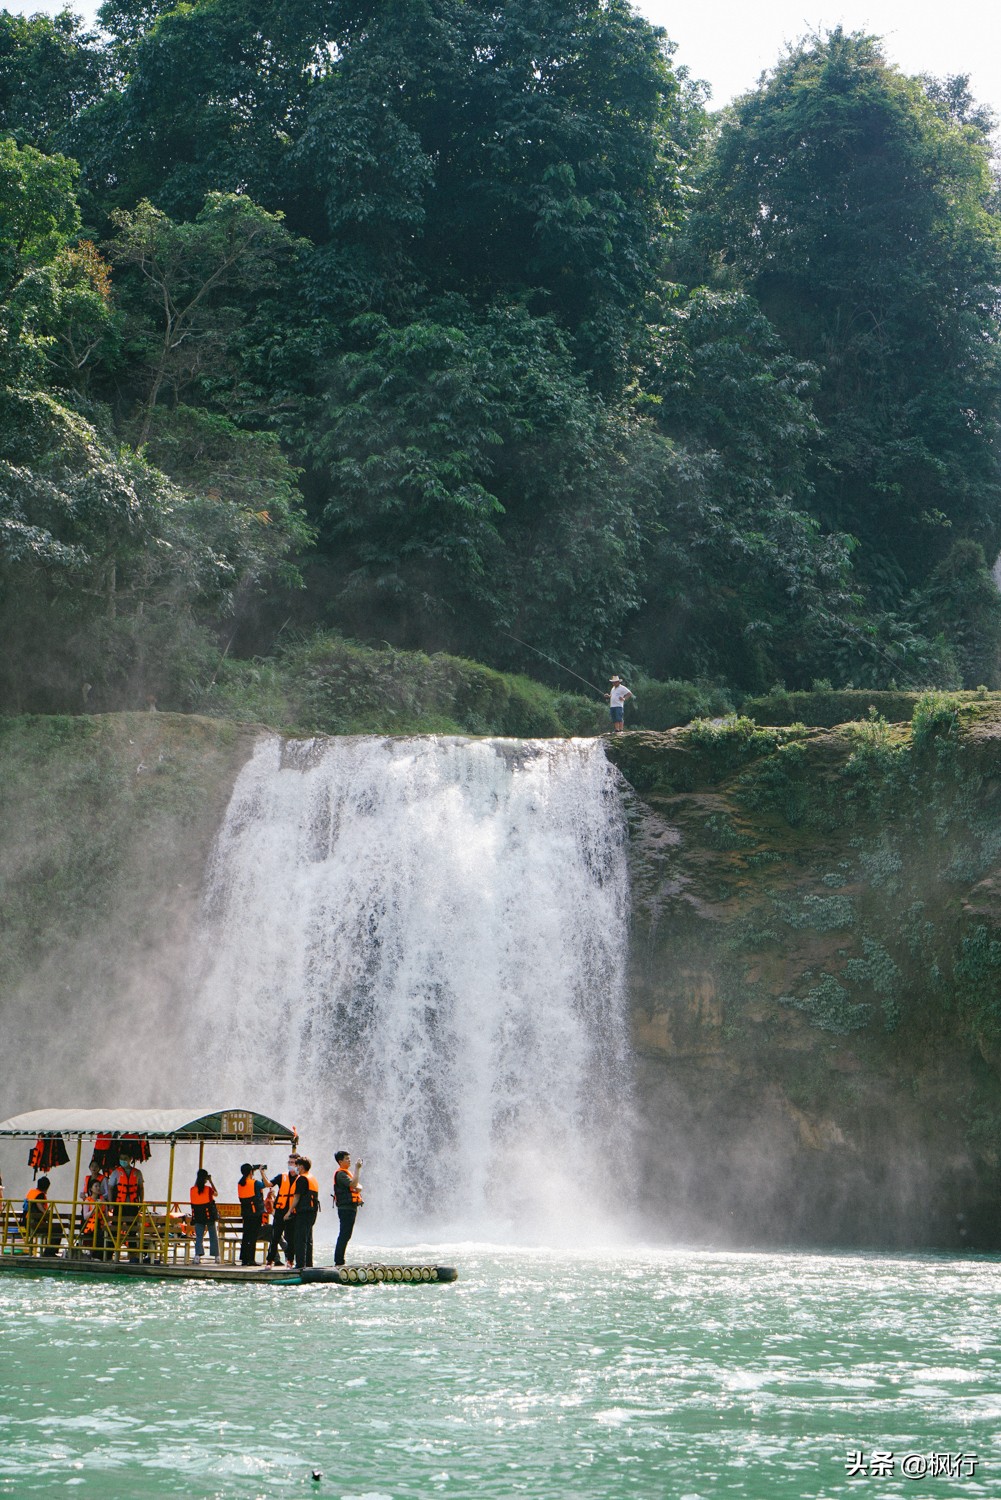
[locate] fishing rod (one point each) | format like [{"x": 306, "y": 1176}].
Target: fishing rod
[
  {"x": 554, "y": 662},
  {"x": 846, "y": 627}
]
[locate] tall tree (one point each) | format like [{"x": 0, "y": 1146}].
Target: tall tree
[
  {"x": 196, "y": 285},
  {"x": 51, "y": 69},
  {"x": 110, "y": 576},
  {"x": 211, "y": 99},
  {"x": 38, "y": 215},
  {"x": 520, "y": 150},
  {"x": 741, "y": 581},
  {"x": 475, "y": 484},
  {"x": 858, "y": 209},
  {"x": 460, "y": 146}
]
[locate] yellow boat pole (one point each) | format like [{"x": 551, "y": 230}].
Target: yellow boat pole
[
  {"x": 76, "y": 1188},
  {"x": 170, "y": 1198}
]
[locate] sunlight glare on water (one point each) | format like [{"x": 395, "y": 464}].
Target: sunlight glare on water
[{"x": 656, "y": 1374}]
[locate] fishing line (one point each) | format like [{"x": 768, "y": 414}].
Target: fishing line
[{"x": 554, "y": 662}]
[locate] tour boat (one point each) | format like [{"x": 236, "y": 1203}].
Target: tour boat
[{"x": 152, "y": 1238}]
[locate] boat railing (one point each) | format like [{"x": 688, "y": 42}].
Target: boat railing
[{"x": 152, "y": 1231}]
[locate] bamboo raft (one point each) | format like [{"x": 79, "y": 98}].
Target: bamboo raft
[{"x": 367, "y": 1275}]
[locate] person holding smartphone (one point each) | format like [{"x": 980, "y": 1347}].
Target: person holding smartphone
[
  {"x": 204, "y": 1214},
  {"x": 347, "y": 1201}
]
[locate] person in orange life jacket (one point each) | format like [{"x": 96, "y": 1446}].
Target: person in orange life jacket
[
  {"x": 250, "y": 1191},
  {"x": 305, "y": 1207},
  {"x": 40, "y": 1220},
  {"x": 35, "y": 1202},
  {"x": 93, "y": 1195},
  {"x": 125, "y": 1184},
  {"x": 347, "y": 1201},
  {"x": 123, "y": 1189},
  {"x": 93, "y": 1184},
  {"x": 204, "y": 1212},
  {"x": 283, "y": 1223}
]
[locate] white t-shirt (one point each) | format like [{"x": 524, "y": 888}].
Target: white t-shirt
[{"x": 618, "y": 695}]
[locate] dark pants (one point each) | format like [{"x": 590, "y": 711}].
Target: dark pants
[
  {"x": 128, "y": 1225},
  {"x": 304, "y": 1239},
  {"x": 347, "y": 1218},
  {"x": 248, "y": 1245},
  {"x": 282, "y": 1236}
]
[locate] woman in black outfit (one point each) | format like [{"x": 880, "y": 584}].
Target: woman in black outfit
[{"x": 251, "y": 1194}]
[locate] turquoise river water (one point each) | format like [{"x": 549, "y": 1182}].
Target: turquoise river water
[{"x": 675, "y": 1374}]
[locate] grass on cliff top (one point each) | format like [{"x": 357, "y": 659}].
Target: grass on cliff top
[
  {"x": 325, "y": 684},
  {"x": 328, "y": 685},
  {"x": 824, "y": 708},
  {"x": 873, "y": 751}
]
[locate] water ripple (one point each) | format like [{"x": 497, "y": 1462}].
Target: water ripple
[{"x": 649, "y": 1375}]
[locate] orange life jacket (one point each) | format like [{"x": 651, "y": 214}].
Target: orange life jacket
[
  {"x": 202, "y": 1195},
  {"x": 285, "y": 1185},
  {"x": 127, "y": 1186},
  {"x": 356, "y": 1198},
  {"x": 31, "y": 1220},
  {"x": 247, "y": 1189},
  {"x": 309, "y": 1201}
]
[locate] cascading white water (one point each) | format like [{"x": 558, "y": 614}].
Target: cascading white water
[{"x": 415, "y": 950}]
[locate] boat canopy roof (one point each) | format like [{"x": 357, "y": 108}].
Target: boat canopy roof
[{"x": 151, "y": 1124}]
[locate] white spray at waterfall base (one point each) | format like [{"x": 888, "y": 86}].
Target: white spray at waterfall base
[{"x": 414, "y": 949}]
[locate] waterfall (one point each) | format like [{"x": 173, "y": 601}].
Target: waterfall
[{"x": 414, "y": 950}]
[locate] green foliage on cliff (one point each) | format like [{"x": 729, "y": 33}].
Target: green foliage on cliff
[
  {"x": 978, "y": 977},
  {"x": 848, "y": 862},
  {"x": 326, "y": 685},
  {"x": 828, "y": 1007},
  {"x": 936, "y": 716},
  {"x": 823, "y": 707}
]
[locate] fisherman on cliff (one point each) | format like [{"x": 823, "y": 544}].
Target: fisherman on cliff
[{"x": 616, "y": 703}]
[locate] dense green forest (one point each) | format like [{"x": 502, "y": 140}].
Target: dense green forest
[{"x": 460, "y": 327}]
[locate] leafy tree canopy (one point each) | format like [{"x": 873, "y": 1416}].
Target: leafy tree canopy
[
  {"x": 482, "y": 299},
  {"x": 475, "y": 483},
  {"x": 857, "y": 207},
  {"x": 50, "y": 71}
]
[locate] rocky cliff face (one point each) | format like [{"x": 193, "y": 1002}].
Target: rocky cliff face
[{"x": 816, "y": 978}]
